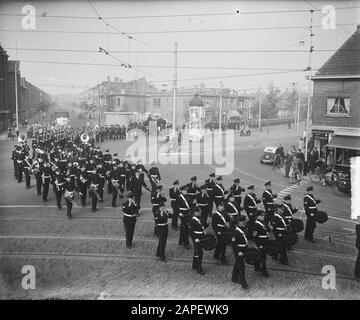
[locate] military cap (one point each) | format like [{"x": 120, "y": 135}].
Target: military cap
[
  {"x": 212, "y": 175},
  {"x": 193, "y": 178},
  {"x": 219, "y": 178},
  {"x": 311, "y": 188},
  {"x": 287, "y": 197},
  {"x": 268, "y": 183},
  {"x": 237, "y": 180},
  {"x": 251, "y": 187},
  {"x": 107, "y": 150},
  {"x": 176, "y": 182},
  {"x": 115, "y": 155}
]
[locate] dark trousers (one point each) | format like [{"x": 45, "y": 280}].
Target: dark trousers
[
  {"x": 69, "y": 207},
  {"x": 220, "y": 248},
  {"x": 38, "y": 183},
  {"x": 211, "y": 206},
  {"x": 184, "y": 231},
  {"x": 94, "y": 200},
  {"x": 283, "y": 253},
  {"x": 310, "y": 227},
  {"x": 268, "y": 216},
  {"x": 250, "y": 227},
  {"x": 129, "y": 225},
  {"x": 137, "y": 199},
  {"x": 287, "y": 170},
  {"x": 109, "y": 185},
  {"x": 58, "y": 195},
  {"x": 101, "y": 191},
  {"x": 204, "y": 215},
  {"x": 175, "y": 217},
  {"x": 162, "y": 232},
  {"x": 19, "y": 173},
  {"x": 198, "y": 256},
  {"x": 114, "y": 196},
  {"x": 238, "y": 273},
  {"x": 357, "y": 265},
  {"x": 238, "y": 203},
  {"x": 261, "y": 264},
  {"x": 82, "y": 189},
  {"x": 46, "y": 188},
  {"x": 15, "y": 168},
  {"x": 27, "y": 178}
]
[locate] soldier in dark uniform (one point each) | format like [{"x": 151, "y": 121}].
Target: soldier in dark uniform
[
  {"x": 310, "y": 207},
  {"x": 210, "y": 185},
  {"x": 157, "y": 198},
  {"x": 20, "y": 161},
  {"x": 288, "y": 211},
  {"x": 197, "y": 232},
  {"x": 261, "y": 237},
  {"x": 279, "y": 229},
  {"x": 68, "y": 190},
  {"x": 219, "y": 191},
  {"x": 108, "y": 168},
  {"x": 115, "y": 177},
  {"x": 102, "y": 174},
  {"x": 184, "y": 214},
  {"x": 14, "y": 157},
  {"x": 140, "y": 167},
  {"x": 174, "y": 193},
  {"x": 231, "y": 208},
  {"x": 94, "y": 185},
  {"x": 27, "y": 165},
  {"x": 239, "y": 244},
  {"x": 45, "y": 173},
  {"x": 192, "y": 190},
  {"x": 250, "y": 206},
  {"x": 154, "y": 176},
  {"x": 82, "y": 182},
  {"x": 37, "y": 166},
  {"x": 130, "y": 209},
  {"x": 161, "y": 216},
  {"x": 220, "y": 226},
  {"x": 236, "y": 190},
  {"x": 135, "y": 187},
  {"x": 202, "y": 201},
  {"x": 268, "y": 202},
  {"x": 58, "y": 182}
]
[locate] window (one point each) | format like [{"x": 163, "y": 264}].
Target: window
[
  {"x": 156, "y": 102},
  {"x": 338, "y": 106},
  {"x": 118, "y": 101}
]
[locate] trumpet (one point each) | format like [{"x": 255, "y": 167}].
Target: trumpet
[
  {"x": 93, "y": 189},
  {"x": 68, "y": 195}
]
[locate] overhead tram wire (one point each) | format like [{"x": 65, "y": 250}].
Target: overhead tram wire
[{"x": 234, "y": 13}]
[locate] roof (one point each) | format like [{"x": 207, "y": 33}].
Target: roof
[
  {"x": 346, "y": 60},
  {"x": 196, "y": 101}
]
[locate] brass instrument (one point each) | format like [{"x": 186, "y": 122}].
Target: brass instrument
[
  {"x": 84, "y": 138},
  {"x": 22, "y": 138},
  {"x": 68, "y": 195},
  {"x": 116, "y": 185},
  {"x": 93, "y": 189}
]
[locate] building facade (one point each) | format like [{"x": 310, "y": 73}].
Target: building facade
[{"x": 336, "y": 105}]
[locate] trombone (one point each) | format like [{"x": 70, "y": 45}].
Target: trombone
[
  {"x": 68, "y": 195},
  {"x": 93, "y": 189}
]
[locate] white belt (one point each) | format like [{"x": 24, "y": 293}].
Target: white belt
[
  {"x": 251, "y": 207},
  {"x": 191, "y": 193},
  {"x": 209, "y": 189},
  {"x": 172, "y": 199},
  {"x": 183, "y": 208},
  {"x": 161, "y": 224},
  {"x": 218, "y": 196},
  {"x": 202, "y": 204},
  {"x": 198, "y": 232},
  {"x": 122, "y": 175},
  {"x": 312, "y": 207},
  {"x": 46, "y": 176},
  {"x": 129, "y": 215},
  {"x": 241, "y": 245},
  {"x": 280, "y": 228},
  {"x": 237, "y": 195},
  {"x": 269, "y": 202},
  {"x": 220, "y": 225},
  {"x": 262, "y": 236}
]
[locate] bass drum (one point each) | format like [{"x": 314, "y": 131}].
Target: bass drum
[
  {"x": 251, "y": 256},
  {"x": 208, "y": 242},
  {"x": 272, "y": 248},
  {"x": 297, "y": 225},
  {"x": 290, "y": 238},
  {"x": 321, "y": 217}
]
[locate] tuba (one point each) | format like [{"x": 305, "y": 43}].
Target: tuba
[
  {"x": 22, "y": 138},
  {"x": 84, "y": 138}
]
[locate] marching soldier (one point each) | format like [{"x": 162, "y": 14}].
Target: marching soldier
[
  {"x": 27, "y": 165},
  {"x": 174, "y": 193},
  {"x": 82, "y": 182},
  {"x": 37, "y": 166},
  {"x": 279, "y": 229},
  {"x": 192, "y": 189},
  {"x": 250, "y": 206},
  {"x": 154, "y": 176},
  {"x": 20, "y": 160},
  {"x": 45, "y": 173},
  {"x": 69, "y": 188},
  {"x": 210, "y": 186},
  {"x": 219, "y": 191},
  {"x": 310, "y": 207},
  {"x": 197, "y": 233},
  {"x": 130, "y": 208},
  {"x": 236, "y": 190},
  {"x": 107, "y": 165},
  {"x": 202, "y": 200},
  {"x": 115, "y": 177},
  {"x": 220, "y": 226},
  {"x": 136, "y": 184},
  {"x": 161, "y": 216},
  {"x": 261, "y": 237},
  {"x": 14, "y": 157},
  {"x": 239, "y": 245},
  {"x": 94, "y": 184},
  {"x": 268, "y": 201},
  {"x": 157, "y": 199},
  {"x": 140, "y": 167},
  {"x": 184, "y": 214},
  {"x": 58, "y": 182},
  {"x": 102, "y": 174},
  {"x": 231, "y": 208},
  {"x": 288, "y": 211}
]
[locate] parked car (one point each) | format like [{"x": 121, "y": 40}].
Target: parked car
[{"x": 268, "y": 155}]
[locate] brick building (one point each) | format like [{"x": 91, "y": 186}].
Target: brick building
[
  {"x": 336, "y": 105},
  {"x": 5, "y": 115}
]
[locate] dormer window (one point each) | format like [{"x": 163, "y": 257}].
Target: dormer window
[{"x": 338, "y": 106}]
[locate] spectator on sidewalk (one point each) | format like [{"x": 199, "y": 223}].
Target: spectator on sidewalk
[
  {"x": 322, "y": 169},
  {"x": 295, "y": 170},
  {"x": 301, "y": 157},
  {"x": 288, "y": 161}
]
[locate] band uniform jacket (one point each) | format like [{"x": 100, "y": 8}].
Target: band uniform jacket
[
  {"x": 174, "y": 193},
  {"x": 95, "y": 180},
  {"x": 202, "y": 200},
  {"x": 192, "y": 189},
  {"x": 230, "y": 209},
  {"x": 136, "y": 184},
  {"x": 278, "y": 224},
  {"x": 218, "y": 223},
  {"x": 250, "y": 205},
  {"x": 154, "y": 173},
  {"x": 183, "y": 205},
  {"x": 161, "y": 218},
  {"x": 260, "y": 234},
  {"x": 27, "y": 164},
  {"x": 287, "y": 213},
  {"x": 210, "y": 185},
  {"x": 58, "y": 181},
  {"x": 130, "y": 208},
  {"x": 239, "y": 240},
  {"x": 268, "y": 200},
  {"x": 236, "y": 191},
  {"x": 157, "y": 199},
  {"x": 45, "y": 173},
  {"x": 218, "y": 192},
  {"x": 69, "y": 186},
  {"x": 115, "y": 174},
  {"x": 197, "y": 230},
  {"x": 310, "y": 206}
]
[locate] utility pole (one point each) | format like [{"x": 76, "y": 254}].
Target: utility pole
[
  {"x": 220, "y": 111},
  {"x": 16, "y": 91},
  {"x": 260, "y": 112},
  {"x": 174, "y": 88},
  {"x": 309, "y": 88},
  {"x": 298, "y": 112}
]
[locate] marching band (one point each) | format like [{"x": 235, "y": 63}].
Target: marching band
[{"x": 68, "y": 161}]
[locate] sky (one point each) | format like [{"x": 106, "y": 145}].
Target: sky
[{"x": 75, "y": 35}]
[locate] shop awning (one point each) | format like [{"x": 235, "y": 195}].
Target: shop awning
[{"x": 345, "y": 142}]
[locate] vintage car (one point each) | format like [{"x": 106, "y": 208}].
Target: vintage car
[{"x": 268, "y": 155}]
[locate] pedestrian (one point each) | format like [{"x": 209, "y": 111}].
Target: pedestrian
[
  {"x": 295, "y": 174},
  {"x": 288, "y": 161}
]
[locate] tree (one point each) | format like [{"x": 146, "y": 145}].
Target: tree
[{"x": 291, "y": 98}]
